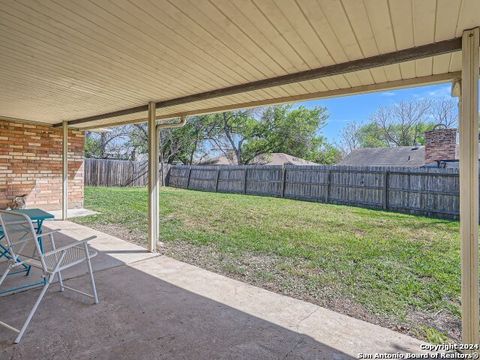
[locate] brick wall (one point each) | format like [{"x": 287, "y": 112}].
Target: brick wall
[
  {"x": 440, "y": 144},
  {"x": 31, "y": 163}
]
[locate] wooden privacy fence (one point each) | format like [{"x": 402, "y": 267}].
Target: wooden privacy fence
[
  {"x": 106, "y": 172},
  {"x": 424, "y": 191}
]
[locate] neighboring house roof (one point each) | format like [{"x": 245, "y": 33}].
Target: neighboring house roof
[
  {"x": 265, "y": 159},
  {"x": 220, "y": 160},
  {"x": 280, "y": 159},
  {"x": 413, "y": 156}
]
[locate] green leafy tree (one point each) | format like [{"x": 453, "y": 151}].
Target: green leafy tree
[
  {"x": 328, "y": 155},
  {"x": 92, "y": 146},
  {"x": 229, "y": 132},
  {"x": 107, "y": 144},
  {"x": 246, "y": 134},
  {"x": 177, "y": 145},
  {"x": 185, "y": 144},
  {"x": 371, "y": 135},
  {"x": 295, "y": 131}
]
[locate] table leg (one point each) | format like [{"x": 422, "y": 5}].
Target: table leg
[
  {"x": 39, "y": 231},
  {"x": 40, "y": 242}
]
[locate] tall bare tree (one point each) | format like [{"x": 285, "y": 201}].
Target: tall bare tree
[
  {"x": 445, "y": 111},
  {"x": 403, "y": 123},
  {"x": 350, "y": 137}
]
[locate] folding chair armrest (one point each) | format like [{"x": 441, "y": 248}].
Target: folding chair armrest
[
  {"x": 69, "y": 246},
  {"x": 15, "y": 222}
]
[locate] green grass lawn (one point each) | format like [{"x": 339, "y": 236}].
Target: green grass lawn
[{"x": 396, "y": 270}]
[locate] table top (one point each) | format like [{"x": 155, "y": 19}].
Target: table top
[{"x": 35, "y": 214}]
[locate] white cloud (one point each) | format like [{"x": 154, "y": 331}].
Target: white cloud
[
  {"x": 442, "y": 91},
  {"x": 388, "y": 93}
]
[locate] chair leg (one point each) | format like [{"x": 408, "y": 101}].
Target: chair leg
[
  {"x": 32, "y": 312},
  {"x": 4, "y": 275},
  {"x": 90, "y": 271},
  {"x": 60, "y": 280}
]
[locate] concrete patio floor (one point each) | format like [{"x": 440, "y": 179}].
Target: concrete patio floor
[{"x": 155, "y": 307}]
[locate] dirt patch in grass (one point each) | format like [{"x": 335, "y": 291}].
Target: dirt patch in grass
[
  {"x": 274, "y": 273},
  {"x": 440, "y": 321},
  {"x": 134, "y": 236}
]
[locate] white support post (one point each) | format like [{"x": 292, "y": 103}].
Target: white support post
[
  {"x": 153, "y": 180},
  {"x": 469, "y": 201},
  {"x": 65, "y": 171}
]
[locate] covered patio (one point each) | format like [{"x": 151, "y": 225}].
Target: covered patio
[
  {"x": 69, "y": 67},
  {"x": 155, "y": 307}
]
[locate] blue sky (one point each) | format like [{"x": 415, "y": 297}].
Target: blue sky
[{"x": 358, "y": 108}]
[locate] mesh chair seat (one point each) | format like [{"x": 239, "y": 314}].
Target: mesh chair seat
[{"x": 73, "y": 256}]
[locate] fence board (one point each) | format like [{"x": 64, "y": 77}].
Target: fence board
[
  {"x": 106, "y": 172},
  {"x": 424, "y": 191}
]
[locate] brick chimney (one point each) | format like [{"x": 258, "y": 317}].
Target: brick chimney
[{"x": 440, "y": 144}]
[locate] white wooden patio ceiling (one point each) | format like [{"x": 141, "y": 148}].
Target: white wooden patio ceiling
[{"x": 64, "y": 60}]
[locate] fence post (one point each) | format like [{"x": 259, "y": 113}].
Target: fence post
[
  {"x": 329, "y": 180},
  {"x": 189, "y": 174},
  {"x": 167, "y": 176},
  {"x": 284, "y": 179},
  {"x": 386, "y": 178},
  {"x": 216, "y": 180},
  {"x": 245, "y": 182}
]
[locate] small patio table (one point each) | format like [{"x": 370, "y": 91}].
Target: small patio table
[{"x": 37, "y": 216}]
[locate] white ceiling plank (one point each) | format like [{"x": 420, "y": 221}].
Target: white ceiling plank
[
  {"x": 424, "y": 67},
  {"x": 63, "y": 60},
  {"x": 379, "y": 16},
  {"x": 278, "y": 19},
  {"x": 407, "y": 69},
  {"x": 401, "y": 14},
  {"x": 424, "y": 17},
  {"x": 441, "y": 64},
  {"x": 468, "y": 16},
  {"x": 447, "y": 19},
  {"x": 361, "y": 27}
]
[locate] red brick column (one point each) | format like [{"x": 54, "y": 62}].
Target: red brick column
[
  {"x": 440, "y": 144},
  {"x": 31, "y": 163}
]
